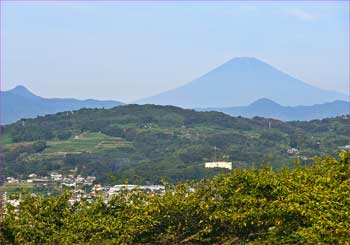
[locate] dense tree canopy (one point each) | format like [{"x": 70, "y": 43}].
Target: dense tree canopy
[
  {"x": 154, "y": 142},
  {"x": 307, "y": 204}
]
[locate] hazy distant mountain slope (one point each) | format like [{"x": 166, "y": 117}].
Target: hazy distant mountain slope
[
  {"x": 241, "y": 81},
  {"x": 270, "y": 109},
  {"x": 20, "y": 103}
]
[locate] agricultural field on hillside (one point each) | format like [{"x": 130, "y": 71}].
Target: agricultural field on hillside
[
  {"x": 85, "y": 142},
  {"x": 147, "y": 143}
]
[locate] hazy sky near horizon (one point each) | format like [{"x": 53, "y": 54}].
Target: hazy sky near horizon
[{"x": 129, "y": 50}]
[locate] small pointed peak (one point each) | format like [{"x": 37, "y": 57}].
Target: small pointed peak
[
  {"x": 265, "y": 102},
  {"x": 245, "y": 62},
  {"x": 245, "y": 59},
  {"x": 21, "y": 90}
]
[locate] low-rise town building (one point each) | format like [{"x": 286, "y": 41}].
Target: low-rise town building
[
  {"x": 293, "y": 151},
  {"x": 227, "y": 165}
]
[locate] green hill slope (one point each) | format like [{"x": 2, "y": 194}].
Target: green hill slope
[{"x": 144, "y": 143}]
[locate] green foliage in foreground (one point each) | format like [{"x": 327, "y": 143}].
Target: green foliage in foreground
[{"x": 307, "y": 204}]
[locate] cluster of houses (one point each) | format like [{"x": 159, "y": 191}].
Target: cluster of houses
[
  {"x": 114, "y": 190},
  {"x": 55, "y": 180},
  {"x": 294, "y": 152},
  {"x": 83, "y": 188},
  {"x": 79, "y": 195},
  {"x": 108, "y": 192},
  {"x": 70, "y": 180}
]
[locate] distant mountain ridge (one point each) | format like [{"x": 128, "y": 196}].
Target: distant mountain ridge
[
  {"x": 240, "y": 81},
  {"x": 270, "y": 109},
  {"x": 20, "y": 103}
]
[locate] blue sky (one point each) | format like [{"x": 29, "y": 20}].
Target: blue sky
[{"x": 129, "y": 50}]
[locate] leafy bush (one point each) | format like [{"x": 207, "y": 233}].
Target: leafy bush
[{"x": 307, "y": 204}]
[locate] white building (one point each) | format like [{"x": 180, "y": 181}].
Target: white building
[
  {"x": 293, "y": 151},
  {"x": 227, "y": 165},
  {"x": 345, "y": 147},
  {"x": 152, "y": 188},
  {"x": 56, "y": 176},
  {"x": 32, "y": 175},
  {"x": 69, "y": 184},
  {"x": 12, "y": 180}
]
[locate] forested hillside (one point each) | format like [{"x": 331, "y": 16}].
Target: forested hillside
[
  {"x": 307, "y": 204},
  {"x": 144, "y": 143}
]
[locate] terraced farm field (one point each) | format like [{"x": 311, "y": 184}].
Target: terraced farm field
[{"x": 85, "y": 142}]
